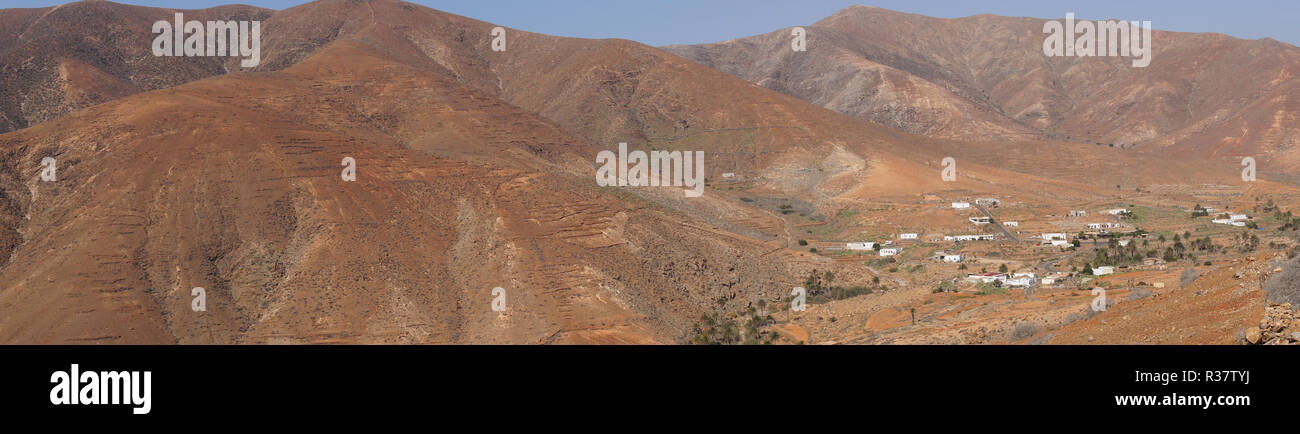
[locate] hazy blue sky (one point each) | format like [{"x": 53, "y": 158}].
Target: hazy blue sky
[{"x": 661, "y": 22}]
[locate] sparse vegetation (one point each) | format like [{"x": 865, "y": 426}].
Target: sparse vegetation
[
  {"x": 1024, "y": 330},
  {"x": 751, "y": 327},
  {"x": 821, "y": 290},
  {"x": 1284, "y": 286},
  {"x": 990, "y": 288}
]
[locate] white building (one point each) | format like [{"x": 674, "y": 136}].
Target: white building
[
  {"x": 1020, "y": 280},
  {"x": 1054, "y": 278},
  {"x": 944, "y": 257},
  {"x": 1103, "y": 270},
  {"x": 1078, "y": 213},
  {"x": 968, "y": 238},
  {"x": 860, "y": 246},
  {"x": 1238, "y": 217},
  {"x": 1061, "y": 243},
  {"x": 985, "y": 278},
  {"x": 980, "y": 220},
  {"x": 1230, "y": 222},
  {"x": 960, "y": 205},
  {"x": 908, "y": 236},
  {"x": 890, "y": 251},
  {"x": 988, "y": 202},
  {"x": 1124, "y": 243},
  {"x": 1011, "y": 224},
  {"x": 729, "y": 175},
  {"x": 1117, "y": 211},
  {"x": 1055, "y": 236}
]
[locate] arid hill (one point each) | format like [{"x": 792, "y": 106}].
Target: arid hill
[
  {"x": 240, "y": 194},
  {"x": 62, "y": 58},
  {"x": 985, "y": 78}
]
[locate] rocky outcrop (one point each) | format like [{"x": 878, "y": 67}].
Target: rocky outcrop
[{"x": 1279, "y": 326}]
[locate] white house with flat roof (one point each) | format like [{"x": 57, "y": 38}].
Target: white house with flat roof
[
  {"x": 860, "y": 246},
  {"x": 945, "y": 257},
  {"x": 891, "y": 251},
  {"x": 1055, "y": 236},
  {"x": 909, "y": 236},
  {"x": 968, "y": 238},
  {"x": 1020, "y": 280},
  {"x": 960, "y": 205}
]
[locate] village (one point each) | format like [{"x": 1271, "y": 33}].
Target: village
[{"x": 973, "y": 250}]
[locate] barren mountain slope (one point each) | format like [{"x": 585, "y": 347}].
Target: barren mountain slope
[
  {"x": 612, "y": 91},
  {"x": 63, "y": 58},
  {"x": 240, "y": 193},
  {"x": 1203, "y": 94}
]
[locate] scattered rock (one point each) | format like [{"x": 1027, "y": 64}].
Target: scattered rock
[
  {"x": 1279, "y": 326},
  {"x": 1254, "y": 336}
]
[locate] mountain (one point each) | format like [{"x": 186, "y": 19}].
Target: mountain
[
  {"x": 240, "y": 194},
  {"x": 230, "y": 182},
  {"x": 985, "y": 78},
  {"x": 474, "y": 171},
  {"x": 63, "y": 58}
]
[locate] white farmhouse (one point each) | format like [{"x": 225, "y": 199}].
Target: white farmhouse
[
  {"x": 1020, "y": 280},
  {"x": 890, "y": 251},
  {"x": 908, "y": 236},
  {"x": 1103, "y": 270},
  {"x": 985, "y": 277},
  {"x": 1011, "y": 224},
  {"x": 862, "y": 246},
  {"x": 967, "y": 237},
  {"x": 960, "y": 205},
  {"x": 1055, "y": 236},
  {"x": 944, "y": 257}
]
